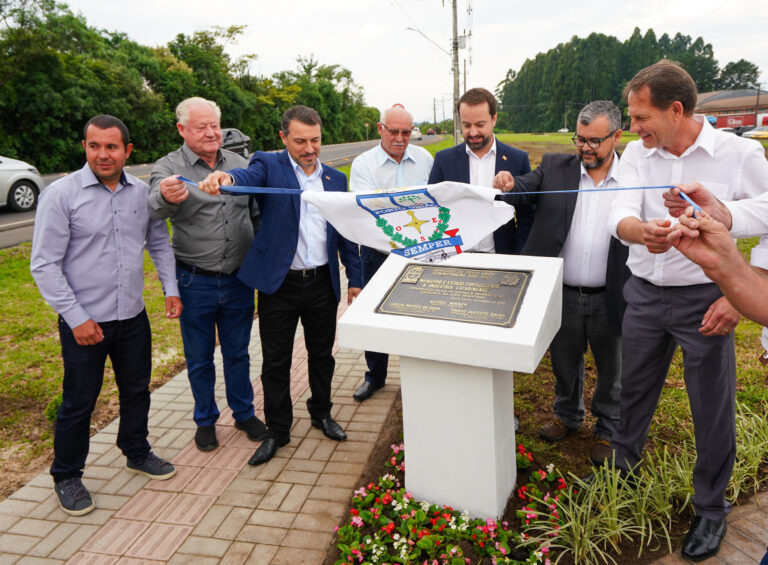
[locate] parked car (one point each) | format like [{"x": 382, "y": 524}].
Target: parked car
[
  {"x": 741, "y": 130},
  {"x": 20, "y": 184},
  {"x": 562, "y": 130},
  {"x": 235, "y": 140},
  {"x": 757, "y": 133},
  {"x": 431, "y": 131},
  {"x": 416, "y": 133}
]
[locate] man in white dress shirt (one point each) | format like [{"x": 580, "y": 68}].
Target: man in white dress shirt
[
  {"x": 393, "y": 163},
  {"x": 670, "y": 300}
]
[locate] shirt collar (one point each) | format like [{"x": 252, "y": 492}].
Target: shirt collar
[
  {"x": 91, "y": 180},
  {"x": 382, "y": 156},
  {"x": 191, "y": 157},
  {"x": 299, "y": 171},
  {"x": 705, "y": 140},
  {"x": 491, "y": 151},
  {"x": 613, "y": 170}
]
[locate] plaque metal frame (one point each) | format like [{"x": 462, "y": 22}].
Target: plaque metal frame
[{"x": 413, "y": 273}]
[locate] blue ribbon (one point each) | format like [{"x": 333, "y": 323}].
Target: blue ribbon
[
  {"x": 247, "y": 189},
  {"x": 269, "y": 190}
]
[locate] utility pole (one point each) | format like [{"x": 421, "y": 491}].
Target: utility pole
[
  {"x": 434, "y": 115},
  {"x": 455, "y": 55},
  {"x": 757, "y": 105},
  {"x": 465, "y": 75},
  {"x": 565, "y": 116}
]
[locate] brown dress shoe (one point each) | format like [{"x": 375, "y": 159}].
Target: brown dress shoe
[
  {"x": 601, "y": 452},
  {"x": 555, "y": 431}
]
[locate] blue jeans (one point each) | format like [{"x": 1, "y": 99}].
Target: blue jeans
[
  {"x": 370, "y": 261},
  {"x": 209, "y": 303},
  {"x": 128, "y": 343},
  {"x": 585, "y": 323}
]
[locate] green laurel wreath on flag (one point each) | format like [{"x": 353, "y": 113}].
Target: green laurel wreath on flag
[{"x": 444, "y": 215}]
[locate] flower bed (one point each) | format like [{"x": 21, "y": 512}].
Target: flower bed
[{"x": 387, "y": 526}]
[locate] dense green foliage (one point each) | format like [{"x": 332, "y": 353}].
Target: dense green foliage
[
  {"x": 549, "y": 90},
  {"x": 56, "y": 72}
]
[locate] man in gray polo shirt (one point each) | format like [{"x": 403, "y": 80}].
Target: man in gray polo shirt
[{"x": 211, "y": 235}]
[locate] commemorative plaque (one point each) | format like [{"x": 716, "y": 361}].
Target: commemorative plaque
[{"x": 459, "y": 294}]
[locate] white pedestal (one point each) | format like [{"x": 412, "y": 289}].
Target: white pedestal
[{"x": 457, "y": 382}]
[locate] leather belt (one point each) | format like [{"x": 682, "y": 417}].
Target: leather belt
[
  {"x": 586, "y": 289},
  {"x": 205, "y": 272},
  {"x": 308, "y": 273}
]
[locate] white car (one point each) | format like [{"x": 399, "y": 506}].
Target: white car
[
  {"x": 20, "y": 184},
  {"x": 416, "y": 133}
]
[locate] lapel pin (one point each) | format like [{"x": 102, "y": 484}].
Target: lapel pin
[
  {"x": 504, "y": 157},
  {"x": 327, "y": 177}
]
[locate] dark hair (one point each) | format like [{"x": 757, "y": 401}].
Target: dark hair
[
  {"x": 303, "y": 114},
  {"x": 105, "y": 121},
  {"x": 475, "y": 96},
  {"x": 599, "y": 108},
  {"x": 668, "y": 82}
]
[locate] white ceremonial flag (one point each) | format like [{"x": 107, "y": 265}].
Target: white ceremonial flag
[{"x": 427, "y": 223}]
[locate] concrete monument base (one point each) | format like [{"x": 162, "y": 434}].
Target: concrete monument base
[{"x": 457, "y": 381}]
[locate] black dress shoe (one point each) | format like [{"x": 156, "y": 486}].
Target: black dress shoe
[
  {"x": 365, "y": 391},
  {"x": 331, "y": 429},
  {"x": 267, "y": 450},
  {"x": 704, "y": 538}
]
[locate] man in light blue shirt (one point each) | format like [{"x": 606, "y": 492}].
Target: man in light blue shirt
[
  {"x": 91, "y": 230},
  {"x": 392, "y": 163}
]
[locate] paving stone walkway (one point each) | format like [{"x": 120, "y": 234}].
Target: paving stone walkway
[{"x": 218, "y": 509}]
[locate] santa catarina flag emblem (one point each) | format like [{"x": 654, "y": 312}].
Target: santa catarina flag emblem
[{"x": 427, "y": 222}]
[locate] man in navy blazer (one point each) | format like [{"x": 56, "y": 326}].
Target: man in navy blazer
[
  {"x": 573, "y": 226},
  {"x": 478, "y": 159},
  {"x": 293, "y": 264}
]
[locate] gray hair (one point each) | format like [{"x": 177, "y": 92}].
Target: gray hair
[
  {"x": 601, "y": 108},
  {"x": 182, "y": 110},
  {"x": 395, "y": 109}
]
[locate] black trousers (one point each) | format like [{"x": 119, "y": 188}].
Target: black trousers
[
  {"x": 309, "y": 298},
  {"x": 370, "y": 261},
  {"x": 128, "y": 343}
]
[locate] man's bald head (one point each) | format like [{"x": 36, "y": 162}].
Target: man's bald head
[{"x": 395, "y": 131}]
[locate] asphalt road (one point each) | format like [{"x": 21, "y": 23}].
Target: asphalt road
[{"x": 17, "y": 228}]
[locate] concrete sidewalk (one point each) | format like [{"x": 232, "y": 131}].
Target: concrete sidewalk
[{"x": 218, "y": 509}]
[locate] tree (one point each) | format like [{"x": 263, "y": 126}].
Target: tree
[
  {"x": 739, "y": 74},
  {"x": 552, "y": 87}
]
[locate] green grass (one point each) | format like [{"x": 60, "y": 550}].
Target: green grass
[{"x": 31, "y": 357}]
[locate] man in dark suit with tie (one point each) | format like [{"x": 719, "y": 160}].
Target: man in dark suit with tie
[
  {"x": 293, "y": 264},
  {"x": 478, "y": 159},
  {"x": 573, "y": 226}
]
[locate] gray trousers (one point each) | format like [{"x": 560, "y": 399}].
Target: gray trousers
[
  {"x": 656, "y": 319},
  {"x": 585, "y": 323}
]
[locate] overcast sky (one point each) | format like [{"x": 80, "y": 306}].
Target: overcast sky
[{"x": 392, "y": 64}]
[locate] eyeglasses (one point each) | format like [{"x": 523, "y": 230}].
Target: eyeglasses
[
  {"x": 593, "y": 142},
  {"x": 393, "y": 132}
]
